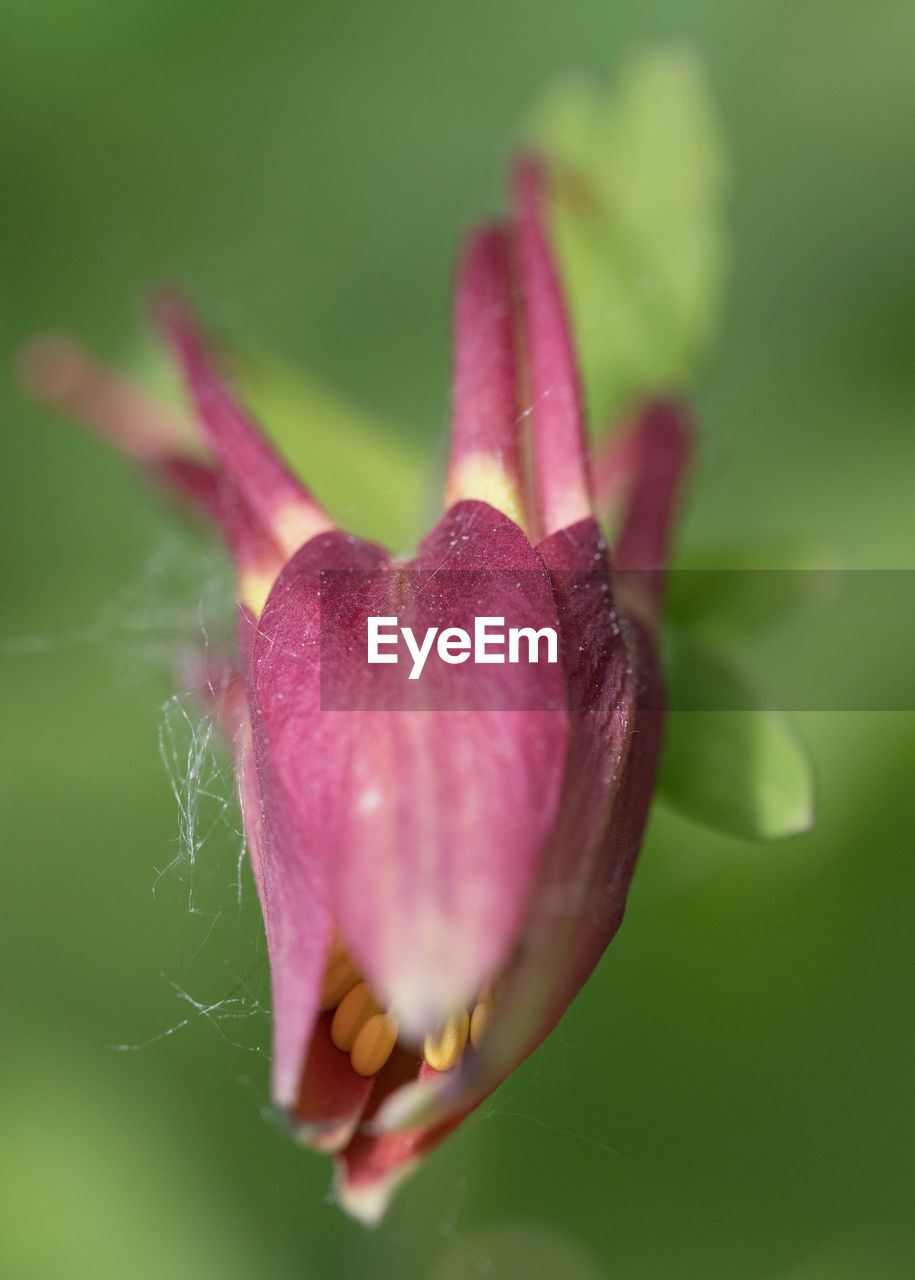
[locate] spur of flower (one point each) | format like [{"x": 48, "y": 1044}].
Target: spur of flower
[{"x": 436, "y": 881}]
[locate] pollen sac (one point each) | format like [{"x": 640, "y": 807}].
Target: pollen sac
[
  {"x": 479, "y": 1020},
  {"x": 340, "y": 978},
  {"x": 374, "y": 1044},
  {"x": 444, "y": 1049},
  {"x": 352, "y": 1013}
]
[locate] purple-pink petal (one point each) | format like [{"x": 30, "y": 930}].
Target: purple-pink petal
[
  {"x": 425, "y": 824},
  {"x": 576, "y": 902},
  {"x": 560, "y": 453},
  {"x": 485, "y": 445},
  {"x": 271, "y": 491},
  {"x": 297, "y": 922}
]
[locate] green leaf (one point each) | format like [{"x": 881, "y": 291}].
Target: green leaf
[
  {"x": 369, "y": 475},
  {"x": 637, "y": 214},
  {"x": 749, "y": 589},
  {"x": 731, "y": 762}
]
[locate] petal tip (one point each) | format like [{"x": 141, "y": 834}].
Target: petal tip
[
  {"x": 423, "y": 996},
  {"x": 49, "y": 366},
  {"x": 408, "y": 1107},
  {"x": 368, "y": 1201}
]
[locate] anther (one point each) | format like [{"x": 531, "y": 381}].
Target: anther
[
  {"x": 341, "y": 976},
  {"x": 479, "y": 1020},
  {"x": 353, "y": 1012},
  {"x": 374, "y": 1044},
  {"x": 443, "y": 1050},
  {"x": 487, "y": 993}
]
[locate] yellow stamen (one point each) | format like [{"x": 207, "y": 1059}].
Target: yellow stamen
[
  {"x": 341, "y": 976},
  {"x": 353, "y": 1012},
  {"x": 487, "y": 993},
  {"x": 479, "y": 1020},
  {"x": 443, "y": 1050},
  {"x": 374, "y": 1044},
  {"x": 368, "y": 1035}
]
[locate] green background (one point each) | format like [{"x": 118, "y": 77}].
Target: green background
[{"x": 731, "y": 1095}]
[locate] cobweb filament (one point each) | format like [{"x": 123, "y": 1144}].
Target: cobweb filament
[{"x": 195, "y": 777}]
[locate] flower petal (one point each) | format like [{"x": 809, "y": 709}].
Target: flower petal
[
  {"x": 643, "y": 470},
  {"x": 485, "y": 453},
  {"x": 371, "y": 1168},
  {"x": 373, "y": 1165},
  {"x": 560, "y": 453},
  {"x": 266, "y": 484},
  {"x": 59, "y": 371},
  {"x": 663, "y": 441},
  {"x": 583, "y": 878},
  {"x": 296, "y": 921},
  {"x": 331, "y": 1096},
  {"x": 427, "y": 823},
  {"x": 603, "y": 680}
]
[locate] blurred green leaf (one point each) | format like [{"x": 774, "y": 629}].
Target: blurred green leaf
[
  {"x": 730, "y": 762},
  {"x": 748, "y": 589},
  {"x": 641, "y": 179},
  {"x": 363, "y": 470}
]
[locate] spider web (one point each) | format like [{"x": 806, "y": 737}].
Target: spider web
[{"x": 162, "y": 626}]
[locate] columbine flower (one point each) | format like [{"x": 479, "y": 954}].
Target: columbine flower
[{"x": 436, "y": 883}]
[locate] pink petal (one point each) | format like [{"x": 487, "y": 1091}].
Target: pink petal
[
  {"x": 296, "y": 921},
  {"x": 60, "y": 372},
  {"x": 331, "y": 1096},
  {"x": 263, "y": 480},
  {"x": 560, "y": 450},
  {"x": 253, "y": 549},
  {"x": 426, "y": 823},
  {"x": 371, "y": 1168},
  {"x": 662, "y": 444},
  {"x": 613, "y": 867},
  {"x": 583, "y": 878},
  {"x": 640, "y": 472},
  {"x": 485, "y": 455},
  {"x": 372, "y": 1165},
  {"x": 590, "y": 857},
  {"x": 615, "y": 460}
]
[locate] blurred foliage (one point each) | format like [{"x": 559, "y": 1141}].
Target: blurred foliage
[
  {"x": 730, "y": 761},
  {"x": 639, "y": 181},
  {"x": 366, "y": 471}
]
